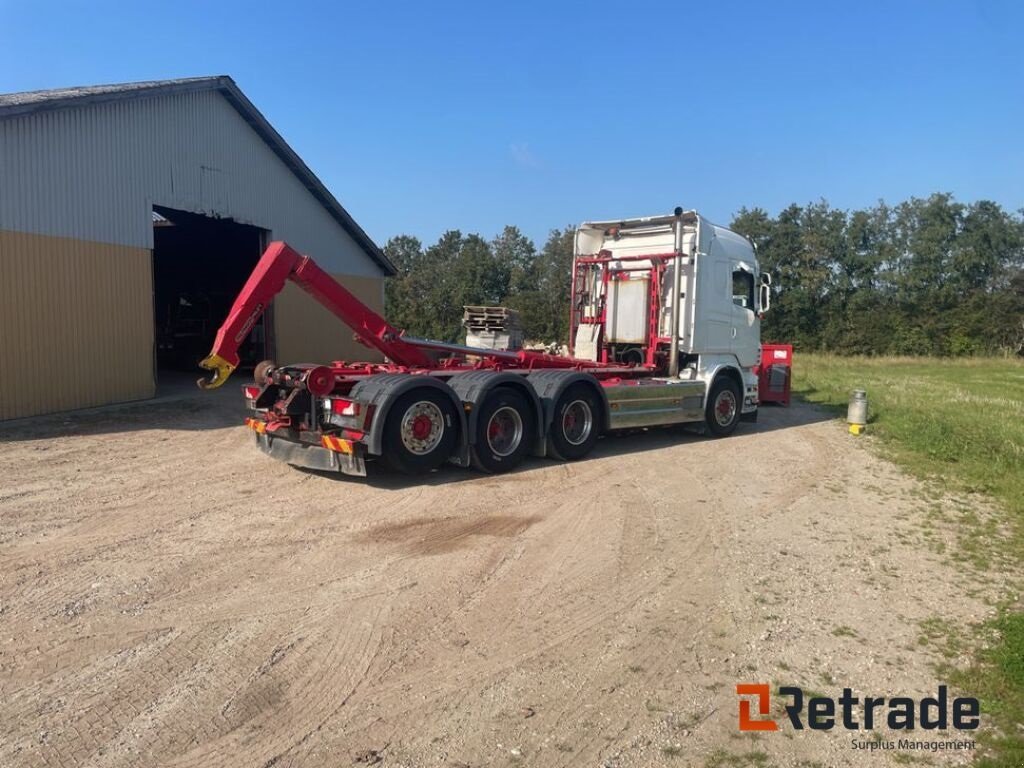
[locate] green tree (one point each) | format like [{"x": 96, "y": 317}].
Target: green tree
[
  {"x": 401, "y": 302},
  {"x": 927, "y": 276},
  {"x": 514, "y": 255},
  {"x": 543, "y": 301}
]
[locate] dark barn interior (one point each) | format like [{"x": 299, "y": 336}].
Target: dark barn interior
[{"x": 199, "y": 265}]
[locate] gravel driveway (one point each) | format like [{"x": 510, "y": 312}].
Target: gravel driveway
[{"x": 170, "y": 596}]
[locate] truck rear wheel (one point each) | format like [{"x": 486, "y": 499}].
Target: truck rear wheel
[
  {"x": 504, "y": 431},
  {"x": 722, "y": 412},
  {"x": 576, "y": 423},
  {"x": 419, "y": 432}
]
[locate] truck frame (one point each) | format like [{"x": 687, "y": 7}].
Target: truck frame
[{"x": 634, "y": 281}]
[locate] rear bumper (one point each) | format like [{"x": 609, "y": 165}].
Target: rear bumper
[{"x": 312, "y": 456}]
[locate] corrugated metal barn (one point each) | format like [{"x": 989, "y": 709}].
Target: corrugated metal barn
[{"x": 130, "y": 216}]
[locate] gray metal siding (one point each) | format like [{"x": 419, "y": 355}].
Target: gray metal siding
[{"x": 94, "y": 172}]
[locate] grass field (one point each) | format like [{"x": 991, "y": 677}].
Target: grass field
[{"x": 959, "y": 423}]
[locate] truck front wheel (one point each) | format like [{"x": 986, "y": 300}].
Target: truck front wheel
[
  {"x": 419, "y": 432},
  {"x": 722, "y": 412}
]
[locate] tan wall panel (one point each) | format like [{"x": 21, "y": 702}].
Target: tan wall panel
[
  {"x": 306, "y": 332},
  {"x": 76, "y": 324}
]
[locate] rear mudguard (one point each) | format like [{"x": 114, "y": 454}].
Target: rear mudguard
[
  {"x": 382, "y": 390},
  {"x": 474, "y": 387}
]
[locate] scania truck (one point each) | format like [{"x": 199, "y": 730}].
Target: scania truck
[{"x": 665, "y": 316}]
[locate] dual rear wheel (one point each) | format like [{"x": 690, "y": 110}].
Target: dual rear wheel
[
  {"x": 419, "y": 432},
  {"x": 421, "y": 429},
  {"x": 575, "y": 425},
  {"x": 506, "y": 429}
]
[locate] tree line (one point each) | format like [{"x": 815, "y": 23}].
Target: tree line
[{"x": 929, "y": 276}]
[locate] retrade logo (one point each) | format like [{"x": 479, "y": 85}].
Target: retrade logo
[
  {"x": 760, "y": 690},
  {"x": 822, "y": 713}
]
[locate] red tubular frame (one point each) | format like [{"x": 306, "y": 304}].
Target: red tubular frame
[
  {"x": 280, "y": 263},
  {"x": 659, "y": 262}
]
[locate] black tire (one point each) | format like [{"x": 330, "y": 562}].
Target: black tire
[
  {"x": 724, "y": 404},
  {"x": 575, "y": 424},
  {"x": 505, "y": 431},
  {"x": 430, "y": 426}
]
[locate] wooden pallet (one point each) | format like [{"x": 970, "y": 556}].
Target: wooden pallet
[{"x": 490, "y": 319}]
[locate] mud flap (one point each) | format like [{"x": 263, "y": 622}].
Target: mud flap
[{"x": 312, "y": 456}]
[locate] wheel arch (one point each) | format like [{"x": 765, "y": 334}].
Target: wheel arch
[
  {"x": 724, "y": 376},
  {"x": 551, "y": 384},
  {"x": 474, "y": 387},
  {"x": 383, "y": 390},
  {"x": 729, "y": 372}
]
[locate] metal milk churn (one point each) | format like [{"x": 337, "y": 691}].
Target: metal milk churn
[{"x": 857, "y": 411}]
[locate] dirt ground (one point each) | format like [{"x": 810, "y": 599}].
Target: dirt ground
[{"x": 170, "y": 596}]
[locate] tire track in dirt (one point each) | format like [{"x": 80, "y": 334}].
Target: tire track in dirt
[
  {"x": 488, "y": 670},
  {"x": 643, "y": 532},
  {"x": 319, "y": 688}
]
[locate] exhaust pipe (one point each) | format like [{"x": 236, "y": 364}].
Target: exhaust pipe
[{"x": 677, "y": 288}]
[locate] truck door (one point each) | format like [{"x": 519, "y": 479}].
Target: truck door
[
  {"x": 746, "y": 327},
  {"x": 715, "y": 306}
]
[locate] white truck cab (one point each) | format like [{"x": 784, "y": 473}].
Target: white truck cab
[{"x": 627, "y": 296}]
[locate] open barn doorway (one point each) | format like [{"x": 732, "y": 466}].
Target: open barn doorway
[{"x": 199, "y": 265}]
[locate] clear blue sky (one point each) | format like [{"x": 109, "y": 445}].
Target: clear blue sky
[{"x": 427, "y": 116}]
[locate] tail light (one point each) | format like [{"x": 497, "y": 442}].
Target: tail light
[
  {"x": 339, "y": 406},
  {"x": 251, "y": 391}
]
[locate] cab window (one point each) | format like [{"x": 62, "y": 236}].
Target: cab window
[{"x": 743, "y": 289}]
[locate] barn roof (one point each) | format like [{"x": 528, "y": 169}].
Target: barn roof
[{"x": 28, "y": 102}]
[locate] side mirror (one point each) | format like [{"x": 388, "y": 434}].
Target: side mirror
[{"x": 765, "y": 294}]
